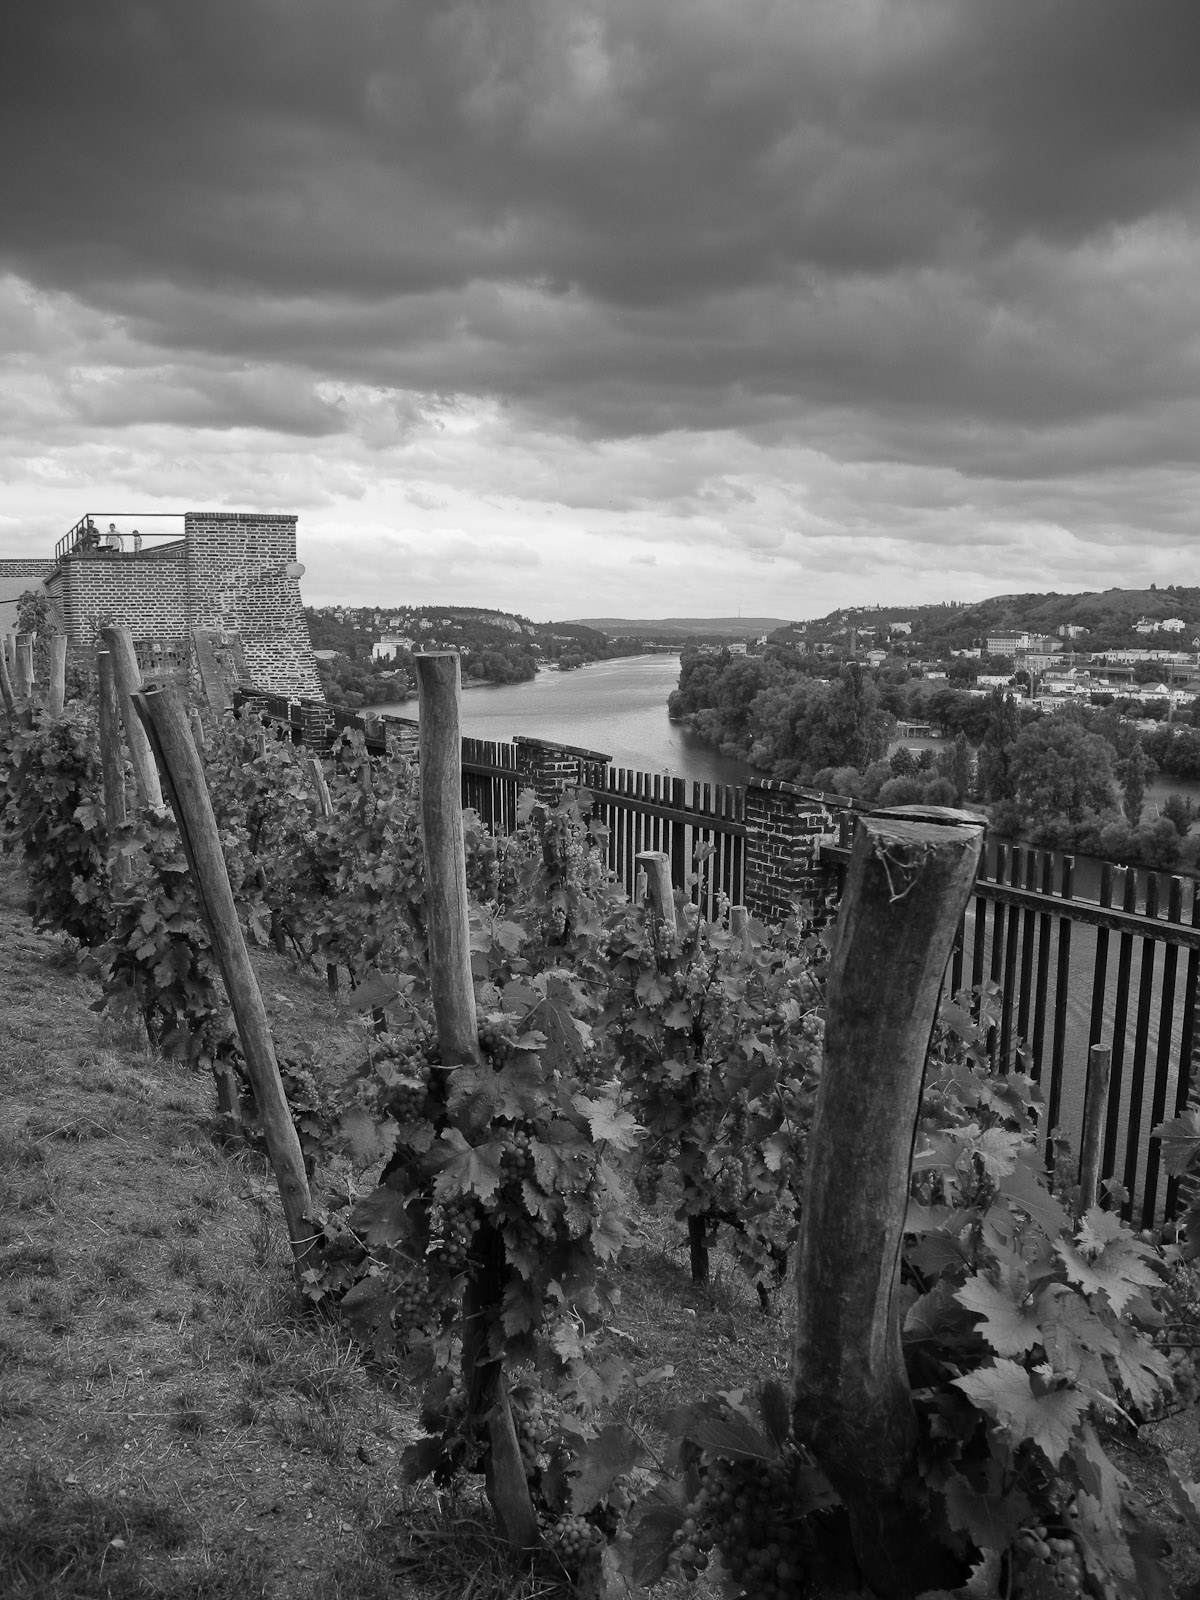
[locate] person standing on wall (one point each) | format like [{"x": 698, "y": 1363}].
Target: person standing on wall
[{"x": 114, "y": 540}]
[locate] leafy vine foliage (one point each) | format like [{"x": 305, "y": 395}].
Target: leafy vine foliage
[
  {"x": 496, "y": 1194},
  {"x": 1024, "y": 1330},
  {"x": 52, "y": 813}
]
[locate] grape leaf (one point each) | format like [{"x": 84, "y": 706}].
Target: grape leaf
[
  {"x": 366, "y": 1139},
  {"x": 660, "y": 1516},
  {"x": 468, "y": 1171},
  {"x": 1074, "y": 1337},
  {"x": 1144, "y": 1371},
  {"x": 1180, "y": 1141},
  {"x": 1022, "y": 1187},
  {"x": 520, "y": 1087},
  {"x": 521, "y": 1311},
  {"x": 1009, "y": 1322},
  {"x": 612, "y": 1453},
  {"x": 607, "y": 1123},
  {"x": 471, "y": 1097},
  {"x": 381, "y": 1217},
  {"x": 730, "y": 1435},
  {"x": 1106, "y": 1257},
  {"x": 1004, "y": 1390},
  {"x": 992, "y": 1516}
]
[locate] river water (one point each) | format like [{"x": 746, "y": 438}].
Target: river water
[{"x": 618, "y": 708}]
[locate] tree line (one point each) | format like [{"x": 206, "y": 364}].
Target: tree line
[{"x": 1074, "y": 779}]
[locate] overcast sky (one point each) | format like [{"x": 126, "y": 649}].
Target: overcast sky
[{"x": 627, "y": 307}]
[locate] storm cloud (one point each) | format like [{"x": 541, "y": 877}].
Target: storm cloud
[{"x": 869, "y": 299}]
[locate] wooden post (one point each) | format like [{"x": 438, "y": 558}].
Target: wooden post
[
  {"x": 56, "y": 693},
  {"x": 739, "y": 927},
  {"x": 325, "y": 802},
  {"x": 196, "y": 724},
  {"x": 453, "y": 991},
  {"x": 907, "y": 885},
  {"x": 24, "y": 666},
  {"x": 450, "y": 978},
  {"x": 6, "y": 683},
  {"x": 165, "y": 720},
  {"x": 118, "y": 641},
  {"x": 1095, "y": 1108},
  {"x": 112, "y": 765},
  {"x": 656, "y": 864}
]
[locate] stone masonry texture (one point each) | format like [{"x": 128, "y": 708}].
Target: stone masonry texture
[{"x": 228, "y": 575}]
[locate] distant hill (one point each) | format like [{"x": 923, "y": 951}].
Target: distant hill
[
  {"x": 682, "y": 627},
  {"x": 1100, "y": 619}
]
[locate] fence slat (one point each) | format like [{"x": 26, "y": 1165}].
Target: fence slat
[
  {"x": 1162, "y": 1062},
  {"x": 1062, "y": 983},
  {"x": 1141, "y": 1042},
  {"x": 1120, "y": 1022}
]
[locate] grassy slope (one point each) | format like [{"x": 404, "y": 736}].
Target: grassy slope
[{"x": 170, "y": 1426}]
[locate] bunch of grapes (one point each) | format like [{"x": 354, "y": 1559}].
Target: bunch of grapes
[
  {"x": 407, "y": 1099},
  {"x": 1183, "y": 1376},
  {"x": 572, "y": 1538},
  {"x": 1052, "y": 1568},
  {"x": 451, "y": 1235},
  {"x": 532, "y": 1425},
  {"x": 496, "y": 1039},
  {"x": 745, "y": 1509},
  {"x": 516, "y": 1155},
  {"x": 411, "y": 1307}
]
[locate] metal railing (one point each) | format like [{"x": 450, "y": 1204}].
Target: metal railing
[
  {"x": 1067, "y": 953},
  {"x": 89, "y": 534}
]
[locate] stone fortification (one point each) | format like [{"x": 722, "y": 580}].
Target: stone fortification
[{"x": 233, "y": 573}]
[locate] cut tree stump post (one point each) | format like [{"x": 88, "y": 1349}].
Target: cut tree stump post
[
  {"x": 453, "y": 991},
  {"x": 656, "y": 864},
  {"x": 23, "y": 676},
  {"x": 118, "y": 641},
  {"x": 910, "y": 875},
  {"x": 452, "y": 986},
  {"x": 325, "y": 803},
  {"x": 6, "y": 682},
  {"x": 112, "y": 765},
  {"x": 1095, "y": 1107},
  {"x": 166, "y": 724},
  {"x": 56, "y": 689}
]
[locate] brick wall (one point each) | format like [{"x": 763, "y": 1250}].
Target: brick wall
[
  {"x": 149, "y": 595},
  {"x": 235, "y": 585},
  {"x": 784, "y": 830},
  {"x": 550, "y": 768}
]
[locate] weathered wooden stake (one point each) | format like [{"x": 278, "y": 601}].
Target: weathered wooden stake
[
  {"x": 1095, "y": 1108},
  {"x": 196, "y": 724},
  {"x": 453, "y": 992},
  {"x": 907, "y": 884},
  {"x": 56, "y": 692},
  {"x": 23, "y": 676},
  {"x": 165, "y": 721},
  {"x": 324, "y": 799},
  {"x": 656, "y": 864},
  {"x": 453, "y": 989},
  {"x": 118, "y": 641},
  {"x": 112, "y": 764},
  {"x": 6, "y": 683}
]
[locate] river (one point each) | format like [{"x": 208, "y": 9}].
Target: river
[{"x": 616, "y": 707}]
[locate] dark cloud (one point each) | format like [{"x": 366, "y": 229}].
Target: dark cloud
[{"x": 952, "y": 248}]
